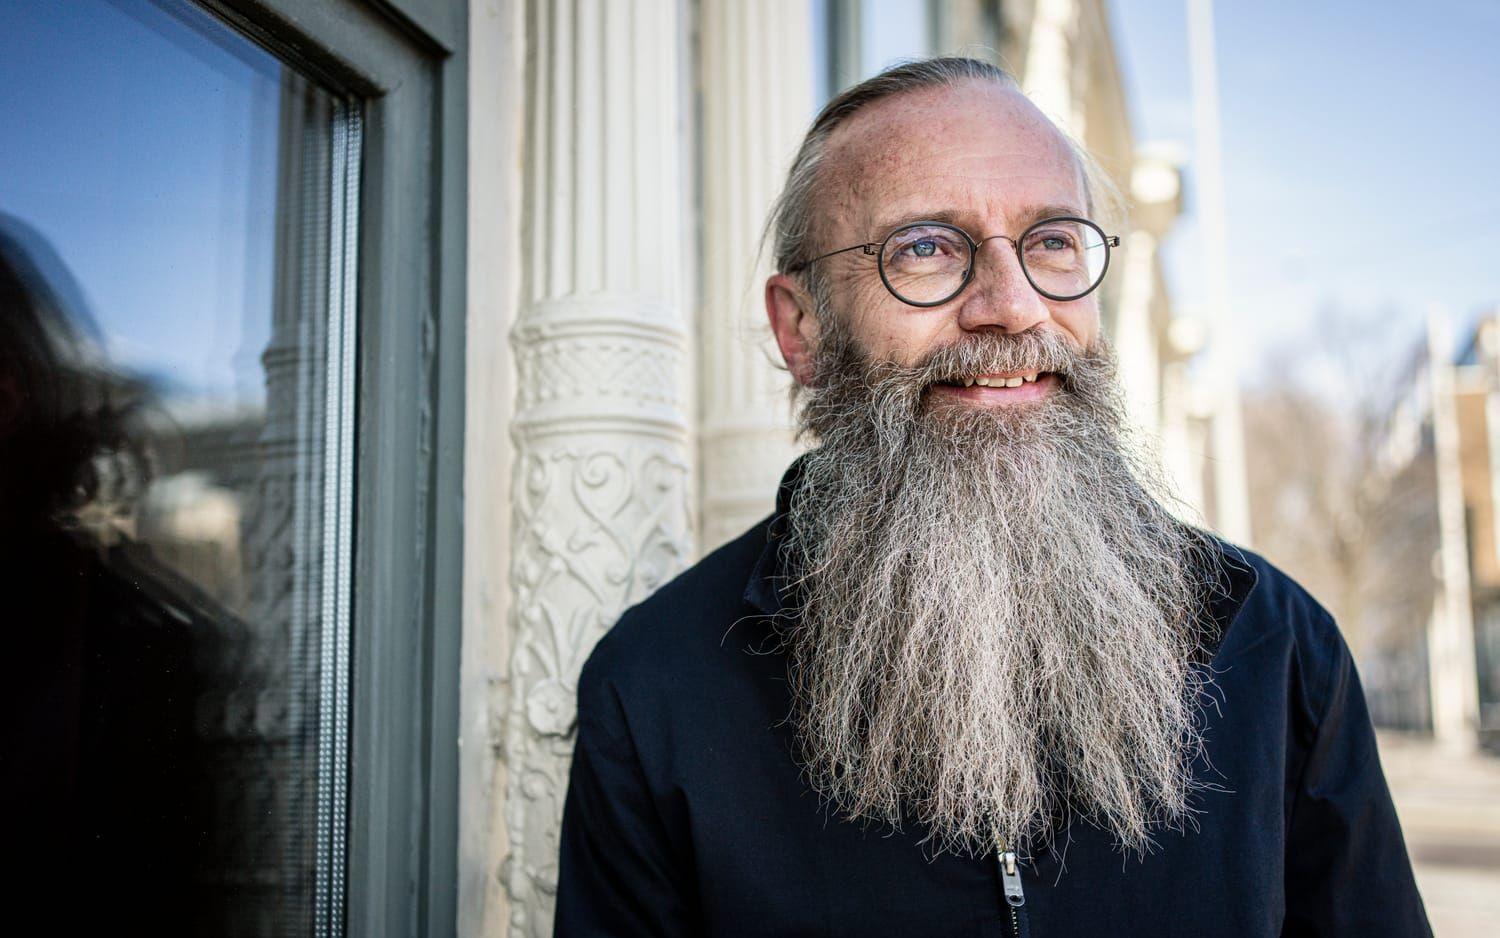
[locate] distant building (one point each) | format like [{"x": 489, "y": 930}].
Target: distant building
[{"x": 1435, "y": 664}]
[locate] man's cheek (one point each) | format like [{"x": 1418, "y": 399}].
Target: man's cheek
[
  {"x": 871, "y": 307},
  {"x": 894, "y": 336}
]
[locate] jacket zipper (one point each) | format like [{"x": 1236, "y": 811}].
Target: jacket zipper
[{"x": 1015, "y": 897}]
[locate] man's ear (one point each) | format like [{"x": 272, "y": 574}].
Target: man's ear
[{"x": 795, "y": 325}]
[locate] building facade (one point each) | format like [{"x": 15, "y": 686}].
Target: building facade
[
  {"x": 1434, "y": 661},
  {"x": 493, "y": 367}
]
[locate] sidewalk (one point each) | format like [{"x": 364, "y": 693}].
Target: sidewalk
[{"x": 1450, "y": 812}]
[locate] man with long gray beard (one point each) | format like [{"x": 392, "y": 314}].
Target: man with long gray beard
[{"x": 972, "y": 677}]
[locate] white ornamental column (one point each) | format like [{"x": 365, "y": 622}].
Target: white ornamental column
[
  {"x": 601, "y": 495},
  {"x": 1050, "y": 72},
  {"x": 1135, "y": 338},
  {"x": 1453, "y": 682},
  {"x": 757, "y": 85},
  {"x": 1231, "y": 491},
  {"x": 1141, "y": 339}
]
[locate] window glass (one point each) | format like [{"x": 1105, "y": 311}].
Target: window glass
[
  {"x": 890, "y": 31},
  {"x": 176, "y": 420}
]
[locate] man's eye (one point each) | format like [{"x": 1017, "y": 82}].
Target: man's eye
[
  {"x": 923, "y": 245},
  {"x": 1051, "y": 241}
]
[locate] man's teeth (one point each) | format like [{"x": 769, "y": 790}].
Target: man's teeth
[{"x": 1012, "y": 382}]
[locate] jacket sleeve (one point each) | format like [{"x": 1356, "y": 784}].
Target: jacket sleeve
[
  {"x": 1347, "y": 870},
  {"x": 618, "y": 874}
]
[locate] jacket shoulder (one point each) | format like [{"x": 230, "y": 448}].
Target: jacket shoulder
[
  {"x": 1282, "y": 618},
  {"x": 1278, "y": 587},
  {"x": 1276, "y": 602}
]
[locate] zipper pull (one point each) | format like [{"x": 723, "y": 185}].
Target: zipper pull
[{"x": 1010, "y": 877}]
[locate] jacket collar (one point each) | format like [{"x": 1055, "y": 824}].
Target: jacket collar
[
  {"x": 1231, "y": 581},
  {"x": 768, "y": 586}
]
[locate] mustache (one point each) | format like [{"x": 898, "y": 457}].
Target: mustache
[
  {"x": 991, "y": 352},
  {"x": 854, "y": 391}
]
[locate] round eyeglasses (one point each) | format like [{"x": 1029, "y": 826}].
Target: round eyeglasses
[{"x": 928, "y": 263}]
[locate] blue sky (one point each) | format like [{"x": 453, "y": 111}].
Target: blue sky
[
  {"x": 1361, "y": 151},
  {"x": 143, "y": 151}
]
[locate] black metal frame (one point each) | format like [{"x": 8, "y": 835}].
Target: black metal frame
[{"x": 877, "y": 249}]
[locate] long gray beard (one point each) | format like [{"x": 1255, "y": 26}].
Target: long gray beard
[{"x": 999, "y": 623}]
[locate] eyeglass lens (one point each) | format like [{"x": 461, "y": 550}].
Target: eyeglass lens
[{"x": 927, "y": 264}]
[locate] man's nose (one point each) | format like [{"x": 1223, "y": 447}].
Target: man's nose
[{"x": 1000, "y": 297}]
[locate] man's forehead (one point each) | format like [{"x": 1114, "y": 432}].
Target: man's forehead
[{"x": 978, "y": 148}]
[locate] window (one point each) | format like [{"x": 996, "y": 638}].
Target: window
[
  {"x": 230, "y": 351},
  {"x": 177, "y": 225}
]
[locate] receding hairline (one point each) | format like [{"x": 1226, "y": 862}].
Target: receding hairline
[
  {"x": 795, "y": 223},
  {"x": 842, "y": 154}
]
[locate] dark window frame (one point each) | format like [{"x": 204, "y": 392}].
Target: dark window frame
[{"x": 407, "y": 61}]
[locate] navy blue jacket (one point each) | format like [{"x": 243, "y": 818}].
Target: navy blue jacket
[{"x": 686, "y": 814}]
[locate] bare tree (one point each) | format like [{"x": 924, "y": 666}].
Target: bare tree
[{"x": 1331, "y": 506}]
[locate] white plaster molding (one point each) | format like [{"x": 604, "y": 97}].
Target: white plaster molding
[
  {"x": 1050, "y": 76},
  {"x": 497, "y": 57},
  {"x": 756, "y": 78},
  {"x": 601, "y": 495}
]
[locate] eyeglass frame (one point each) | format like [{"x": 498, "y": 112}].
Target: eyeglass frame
[{"x": 877, "y": 249}]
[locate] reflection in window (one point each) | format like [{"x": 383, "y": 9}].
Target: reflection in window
[{"x": 176, "y": 404}]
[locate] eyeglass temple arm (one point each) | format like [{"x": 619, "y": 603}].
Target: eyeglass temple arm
[{"x": 868, "y": 248}]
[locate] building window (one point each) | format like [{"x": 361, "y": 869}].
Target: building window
[{"x": 177, "y": 418}]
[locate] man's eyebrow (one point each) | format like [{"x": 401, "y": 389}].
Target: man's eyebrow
[
  {"x": 1039, "y": 212},
  {"x": 885, "y": 226},
  {"x": 1026, "y": 217}
]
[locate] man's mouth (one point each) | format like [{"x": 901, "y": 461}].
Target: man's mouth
[
  {"x": 1009, "y": 379},
  {"x": 1000, "y": 387}
]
